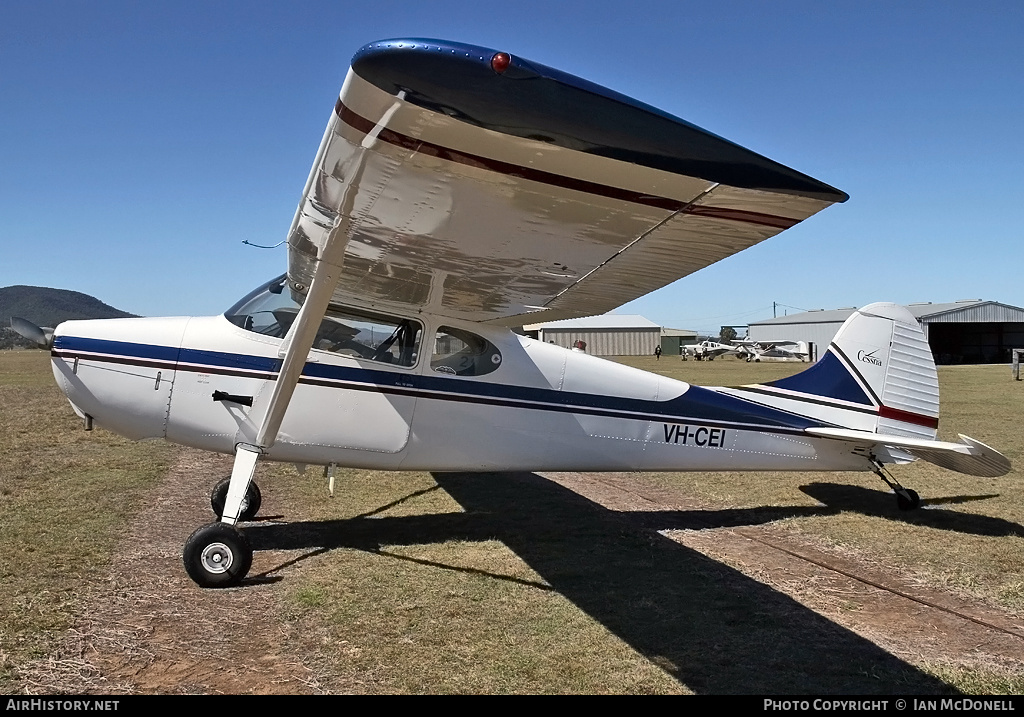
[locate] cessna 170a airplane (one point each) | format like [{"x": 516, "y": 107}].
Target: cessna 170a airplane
[
  {"x": 756, "y": 350},
  {"x": 459, "y": 193},
  {"x": 707, "y": 350}
]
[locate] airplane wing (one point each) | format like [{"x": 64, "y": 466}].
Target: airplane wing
[
  {"x": 475, "y": 185},
  {"x": 483, "y": 186}
]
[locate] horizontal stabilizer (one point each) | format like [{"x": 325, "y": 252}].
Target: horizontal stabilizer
[{"x": 970, "y": 456}]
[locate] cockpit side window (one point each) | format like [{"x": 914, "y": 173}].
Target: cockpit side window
[
  {"x": 375, "y": 337},
  {"x": 462, "y": 353},
  {"x": 271, "y": 309}
]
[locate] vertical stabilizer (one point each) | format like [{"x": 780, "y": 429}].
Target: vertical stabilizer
[
  {"x": 886, "y": 346},
  {"x": 877, "y": 375}
]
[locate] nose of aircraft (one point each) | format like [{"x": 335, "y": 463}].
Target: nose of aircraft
[{"x": 119, "y": 372}]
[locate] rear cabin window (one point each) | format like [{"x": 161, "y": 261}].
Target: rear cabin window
[{"x": 461, "y": 353}]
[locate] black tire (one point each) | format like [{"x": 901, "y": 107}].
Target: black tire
[
  {"x": 250, "y": 503},
  {"x": 909, "y": 500},
  {"x": 217, "y": 556}
]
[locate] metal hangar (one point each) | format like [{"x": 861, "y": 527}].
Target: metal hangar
[
  {"x": 972, "y": 331},
  {"x": 605, "y": 335}
]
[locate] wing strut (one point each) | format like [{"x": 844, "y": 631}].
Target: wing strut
[{"x": 294, "y": 351}]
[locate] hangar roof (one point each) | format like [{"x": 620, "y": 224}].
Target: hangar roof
[
  {"x": 818, "y": 316},
  {"x": 605, "y": 321},
  {"x": 924, "y": 311}
]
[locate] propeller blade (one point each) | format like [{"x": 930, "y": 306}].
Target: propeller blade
[{"x": 32, "y": 332}]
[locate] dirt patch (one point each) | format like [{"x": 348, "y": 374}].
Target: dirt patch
[
  {"x": 149, "y": 629},
  {"x": 921, "y": 625}
]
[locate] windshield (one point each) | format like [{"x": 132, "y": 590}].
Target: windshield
[
  {"x": 271, "y": 309},
  {"x": 268, "y": 309}
]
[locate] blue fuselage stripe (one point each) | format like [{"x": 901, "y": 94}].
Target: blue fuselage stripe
[{"x": 696, "y": 405}]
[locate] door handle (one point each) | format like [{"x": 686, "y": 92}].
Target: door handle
[{"x": 225, "y": 396}]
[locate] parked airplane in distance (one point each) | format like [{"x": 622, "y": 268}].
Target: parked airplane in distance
[
  {"x": 756, "y": 350},
  {"x": 706, "y": 350}
]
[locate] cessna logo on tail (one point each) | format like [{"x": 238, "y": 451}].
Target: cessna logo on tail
[{"x": 869, "y": 358}]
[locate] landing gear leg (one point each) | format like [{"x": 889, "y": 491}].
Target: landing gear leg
[
  {"x": 906, "y": 498},
  {"x": 218, "y": 555}
]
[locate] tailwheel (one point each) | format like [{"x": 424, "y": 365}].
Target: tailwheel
[
  {"x": 217, "y": 555},
  {"x": 906, "y": 498},
  {"x": 251, "y": 501}
]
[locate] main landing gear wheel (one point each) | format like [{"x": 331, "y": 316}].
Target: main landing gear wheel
[
  {"x": 251, "y": 502},
  {"x": 217, "y": 555},
  {"x": 908, "y": 499}
]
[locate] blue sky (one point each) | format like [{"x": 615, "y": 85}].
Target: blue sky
[{"x": 142, "y": 142}]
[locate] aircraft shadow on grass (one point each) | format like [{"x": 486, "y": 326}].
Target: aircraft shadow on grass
[
  {"x": 834, "y": 498},
  {"x": 838, "y": 497},
  {"x": 712, "y": 628}
]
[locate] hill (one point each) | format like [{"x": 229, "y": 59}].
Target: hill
[{"x": 48, "y": 307}]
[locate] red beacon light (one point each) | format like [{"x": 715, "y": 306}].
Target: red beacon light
[{"x": 500, "y": 62}]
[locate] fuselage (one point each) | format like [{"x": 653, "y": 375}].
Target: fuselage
[{"x": 457, "y": 397}]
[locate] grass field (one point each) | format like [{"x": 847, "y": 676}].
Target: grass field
[
  {"x": 456, "y": 583},
  {"x": 65, "y": 496}
]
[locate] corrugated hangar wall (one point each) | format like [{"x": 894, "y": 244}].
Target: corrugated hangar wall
[
  {"x": 985, "y": 332},
  {"x": 958, "y": 332},
  {"x": 606, "y": 342}
]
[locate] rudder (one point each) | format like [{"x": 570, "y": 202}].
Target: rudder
[{"x": 878, "y": 364}]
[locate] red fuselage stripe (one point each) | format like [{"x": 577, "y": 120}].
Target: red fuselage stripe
[{"x": 908, "y": 417}]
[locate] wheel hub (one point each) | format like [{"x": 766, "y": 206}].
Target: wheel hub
[{"x": 217, "y": 558}]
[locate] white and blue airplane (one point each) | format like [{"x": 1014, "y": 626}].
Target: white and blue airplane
[
  {"x": 707, "y": 350},
  {"x": 459, "y": 193},
  {"x": 756, "y": 350}
]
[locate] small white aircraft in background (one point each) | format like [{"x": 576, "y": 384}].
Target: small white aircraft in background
[
  {"x": 459, "y": 193},
  {"x": 756, "y": 350},
  {"x": 707, "y": 350}
]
